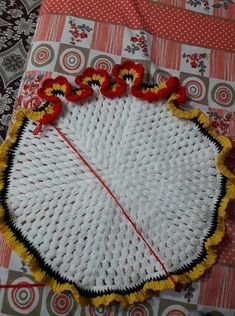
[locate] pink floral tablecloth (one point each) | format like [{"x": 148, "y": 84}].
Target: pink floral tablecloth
[{"x": 193, "y": 40}]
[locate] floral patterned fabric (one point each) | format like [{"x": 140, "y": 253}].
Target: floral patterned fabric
[
  {"x": 71, "y": 42},
  {"x": 17, "y": 24}
]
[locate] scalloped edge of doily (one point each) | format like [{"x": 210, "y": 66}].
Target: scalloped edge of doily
[{"x": 149, "y": 287}]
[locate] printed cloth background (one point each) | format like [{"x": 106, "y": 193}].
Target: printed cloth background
[
  {"x": 17, "y": 24},
  {"x": 193, "y": 40}
]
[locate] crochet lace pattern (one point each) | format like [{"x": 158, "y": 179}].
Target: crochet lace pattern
[{"x": 164, "y": 164}]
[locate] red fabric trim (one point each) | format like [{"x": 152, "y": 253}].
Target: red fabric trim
[{"x": 128, "y": 70}]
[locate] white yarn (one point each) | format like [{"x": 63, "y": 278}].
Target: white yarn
[{"x": 161, "y": 168}]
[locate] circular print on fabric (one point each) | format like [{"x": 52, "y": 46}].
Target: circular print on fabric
[
  {"x": 72, "y": 60},
  {"x": 175, "y": 310},
  {"x": 60, "y": 304},
  {"x": 143, "y": 309},
  {"x": 103, "y": 62},
  {"x": 98, "y": 311},
  {"x": 42, "y": 55},
  {"x": 195, "y": 88},
  {"x": 161, "y": 76},
  {"x": 223, "y": 94},
  {"x": 23, "y": 300}
]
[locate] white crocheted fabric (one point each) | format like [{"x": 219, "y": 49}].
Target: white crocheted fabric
[{"x": 160, "y": 167}]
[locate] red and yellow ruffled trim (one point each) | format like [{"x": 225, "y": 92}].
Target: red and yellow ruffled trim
[{"x": 52, "y": 89}]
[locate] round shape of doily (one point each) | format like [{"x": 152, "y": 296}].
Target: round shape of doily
[{"x": 160, "y": 167}]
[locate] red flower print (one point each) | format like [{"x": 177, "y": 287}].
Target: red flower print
[
  {"x": 25, "y": 86},
  {"x": 139, "y": 43},
  {"x": 203, "y": 55},
  {"x": 220, "y": 122},
  {"x": 141, "y": 39},
  {"x": 75, "y": 34},
  {"x": 196, "y": 61},
  {"x": 78, "y": 31},
  {"x": 215, "y": 124},
  {"x": 228, "y": 117},
  {"x": 194, "y": 56},
  {"x": 134, "y": 39},
  {"x": 83, "y": 35},
  {"x": 193, "y": 64},
  {"x": 203, "y": 3}
]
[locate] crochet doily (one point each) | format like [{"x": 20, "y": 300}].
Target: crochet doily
[{"x": 160, "y": 167}]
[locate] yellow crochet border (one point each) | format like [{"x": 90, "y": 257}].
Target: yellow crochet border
[{"x": 42, "y": 276}]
